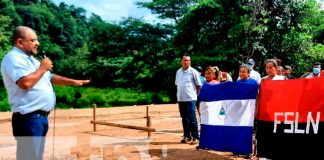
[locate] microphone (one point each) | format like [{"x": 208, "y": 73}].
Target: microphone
[{"x": 42, "y": 54}]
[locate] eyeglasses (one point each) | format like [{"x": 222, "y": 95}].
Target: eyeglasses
[
  {"x": 31, "y": 40},
  {"x": 34, "y": 40}
]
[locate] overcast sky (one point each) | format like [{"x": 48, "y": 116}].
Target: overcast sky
[{"x": 112, "y": 10}]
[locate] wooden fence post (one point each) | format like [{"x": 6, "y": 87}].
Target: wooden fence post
[
  {"x": 147, "y": 128},
  {"x": 148, "y": 122},
  {"x": 94, "y": 116}
]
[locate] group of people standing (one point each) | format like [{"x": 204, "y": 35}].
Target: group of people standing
[
  {"x": 29, "y": 83},
  {"x": 189, "y": 82}
]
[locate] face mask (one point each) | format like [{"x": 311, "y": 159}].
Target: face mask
[
  {"x": 249, "y": 66},
  {"x": 316, "y": 70}
]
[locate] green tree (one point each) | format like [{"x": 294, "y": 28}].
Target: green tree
[
  {"x": 4, "y": 33},
  {"x": 289, "y": 33},
  {"x": 169, "y": 9},
  {"x": 148, "y": 45},
  {"x": 76, "y": 65},
  {"x": 228, "y": 32},
  {"x": 215, "y": 33},
  {"x": 36, "y": 16},
  {"x": 4, "y": 38},
  {"x": 8, "y": 8}
]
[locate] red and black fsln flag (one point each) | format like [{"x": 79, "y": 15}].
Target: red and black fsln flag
[{"x": 290, "y": 119}]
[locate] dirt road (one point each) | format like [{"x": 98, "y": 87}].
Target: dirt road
[{"x": 71, "y": 136}]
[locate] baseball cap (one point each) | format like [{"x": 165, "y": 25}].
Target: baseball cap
[
  {"x": 287, "y": 67},
  {"x": 198, "y": 68},
  {"x": 250, "y": 61}
]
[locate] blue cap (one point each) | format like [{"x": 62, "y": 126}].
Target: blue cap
[{"x": 250, "y": 61}]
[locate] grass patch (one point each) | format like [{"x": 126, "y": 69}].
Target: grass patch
[{"x": 84, "y": 97}]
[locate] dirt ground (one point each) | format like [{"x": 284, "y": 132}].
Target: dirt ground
[{"x": 72, "y": 136}]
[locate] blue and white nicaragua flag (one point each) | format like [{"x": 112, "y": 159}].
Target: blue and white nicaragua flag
[{"x": 227, "y": 116}]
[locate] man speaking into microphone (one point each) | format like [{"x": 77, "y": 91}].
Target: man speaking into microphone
[{"x": 30, "y": 91}]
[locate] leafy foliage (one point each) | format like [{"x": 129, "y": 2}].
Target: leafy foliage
[
  {"x": 228, "y": 32},
  {"x": 169, "y": 9}
]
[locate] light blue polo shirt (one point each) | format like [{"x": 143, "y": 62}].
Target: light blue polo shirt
[
  {"x": 186, "y": 81},
  {"x": 15, "y": 65}
]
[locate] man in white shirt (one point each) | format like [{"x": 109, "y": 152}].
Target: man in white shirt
[
  {"x": 316, "y": 70},
  {"x": 29, "y": 84},
  {"x": 188, "y": 85}
]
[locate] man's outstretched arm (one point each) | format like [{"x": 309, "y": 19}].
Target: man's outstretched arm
[{"x": 60, "y": 80}]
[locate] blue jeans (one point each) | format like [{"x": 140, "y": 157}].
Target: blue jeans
[
  {"x": 30, "y": 131},
  {"x": 189, "y": 120}
]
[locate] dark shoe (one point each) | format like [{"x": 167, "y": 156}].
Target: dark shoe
[
  {"x": 194, "y": 141},
  {"x": 247, "y": 156},
  {"x": 186, "y": 140},
  {"x": 236, "y": 154}
]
